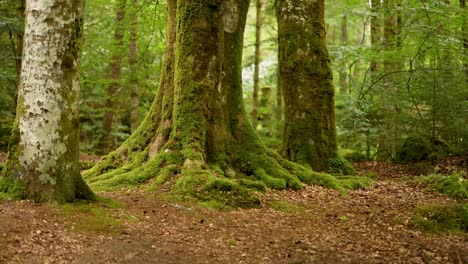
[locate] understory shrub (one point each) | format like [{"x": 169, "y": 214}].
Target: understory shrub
[{"x": 441, "y": 218}]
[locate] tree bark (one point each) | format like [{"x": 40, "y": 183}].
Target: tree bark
[
  {"x": 309, "y": 135},
  {"x": 116, "y": 75},
  {"x": 465, "y": 38},
  {"x": 197, "y": 129},
  {"x": 133, "y": 61},
  {"x": 258, "y": 39},
  {"x": 21, "y": 5},
  {"x": 342, "y": 68},
  {"x": 43, "y": 159}
]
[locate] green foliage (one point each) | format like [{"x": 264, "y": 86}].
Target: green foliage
[
  {"x": 454, "y": 185},
  {"x": 354, "y": 182},
  {"x": 340, "y": 166},
  {"x": 441, "y": 218}
]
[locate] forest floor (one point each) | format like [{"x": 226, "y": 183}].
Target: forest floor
[{"x": 314, "y": 225}]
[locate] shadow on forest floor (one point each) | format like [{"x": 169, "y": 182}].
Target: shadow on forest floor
[{"x": 313, "y": 225}]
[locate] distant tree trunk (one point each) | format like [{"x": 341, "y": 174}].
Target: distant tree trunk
[
  {"x": 342, "y": 67},
  {"x": 258, "y": 39},
  {"x": 133, "y": 61},
  {"x": 21, "y": 5},
  {"x": 197, "y": 129},
  {"x": 391, "y": 64},
  {"x": 116, "y": 74},
  {"x": 279, "y": 110},
  {"x": 376, "y": 32},
  {"x": 465, "y": 38},
  {"x": 43, "y": 159},
  {"x": 306, "y": 79}
]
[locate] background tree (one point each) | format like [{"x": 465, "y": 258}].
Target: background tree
[
  {"x": 306, "y": 80},
  {"x": 43, "y": 161}
]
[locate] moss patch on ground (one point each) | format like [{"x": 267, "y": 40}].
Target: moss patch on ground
[
  {"x": 287, "y": 207},
  {"x": 454, "y": 185},
  {"x": 91, "y": 217},
  {"x": 441, "y": 218}
]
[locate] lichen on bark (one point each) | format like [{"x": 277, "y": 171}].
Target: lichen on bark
[{"x": 44, "y": 150}]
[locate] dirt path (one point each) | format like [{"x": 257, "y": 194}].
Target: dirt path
[{"x": 315, "y": 225}]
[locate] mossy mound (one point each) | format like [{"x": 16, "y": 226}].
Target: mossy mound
[
  {"x": 441, "y": 218},
  {"x": 340, "y": 166},
  {"x": 454, "y": 185},
  {"x": 352, "y": 155},
  {"x": 419, "y": 148}
]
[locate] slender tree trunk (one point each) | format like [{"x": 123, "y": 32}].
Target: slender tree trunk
[
  {"x": 465, "y": 38},
  {"x": 376, "y": 33},
  {"x": 258, "y": 39},
  {"x": 116, "y": 74},
  {"x": 43, "y": 159},
  {"x": 342, "y": 68},
  {"x": 391, "y": 64},
  {"x": 306, "y": 79},
  {"x": 21, "y": 6},
  {"x": 133, "y": 61}
]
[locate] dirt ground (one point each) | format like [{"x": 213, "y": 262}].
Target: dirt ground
[{"x": 314, "y": 225}]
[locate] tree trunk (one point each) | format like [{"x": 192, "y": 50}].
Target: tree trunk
[
  {"x": 306, "y": 79},
  {"x": 133, "y": 61},
  {"x": 21, "y": 5},
  {"x": 258, "y": 39},
  {"x": 116, "y": 74},
  {"x": 465, "y": 38},
  {"x": 391, "y": 64},
  {"x": 197, "y": 128},
  {"x": 342, "y": 67},
  {"x": 43, "y": 160},
  {"x": 376, "y": 33}
]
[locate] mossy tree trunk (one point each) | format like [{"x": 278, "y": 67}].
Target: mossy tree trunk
[
  {"x": 115, "y": 78},
  {"x": 43, "y": 159},
  {"x": 465, "y": 38},
  {"x": 309, "y": 135},
  {"x": 197, "y": 132},
  {"x": 342, "y": 68}
]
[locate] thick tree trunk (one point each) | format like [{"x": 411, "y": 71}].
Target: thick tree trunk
[
  {"x": 133, "y": 61},
  {"x": 197, "y": 128},
  {"x": 43, "y": 160},
  {"x": 309, "y": 134},
  {"x": 116, "y": 74},
  {"x": 258, "y": 40}
]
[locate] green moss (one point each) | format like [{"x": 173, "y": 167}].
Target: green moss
[
  {"x": 92, "y": 218},
  {"x": 352, "y": 155},
  {"x": 418, "y": 148},
  {"x": 340, "y": 166},
  {"x": 258, "y": 185},
  {"x": 454, "y": 185},
  {"x": 354, "y": 183},
  {"x": 441, "y": 218},
  {"x": 86, "y": 165}
]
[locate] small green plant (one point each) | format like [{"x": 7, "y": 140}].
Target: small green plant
[
  {"x": 441, "y": 218},
  {"x": 343, "y": 218}
]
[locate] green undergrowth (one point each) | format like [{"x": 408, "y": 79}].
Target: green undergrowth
[
  {"x": 454, "y": 185},
  {"x": 86, "y": 165},
  {"x": 92, "y": 217},
  {"x": 340, "y": 166},
  {"x": 438, "y": 219},
  {"x": 352, "y": 155}
]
